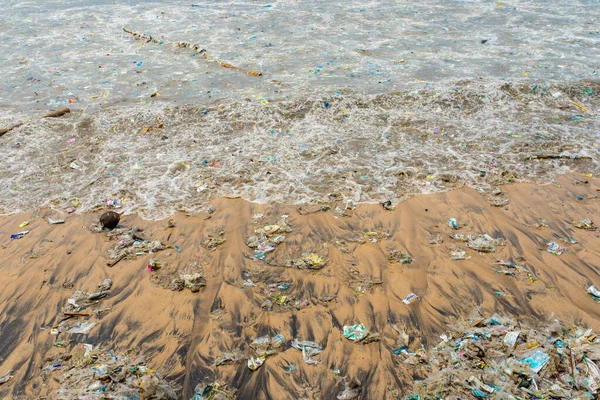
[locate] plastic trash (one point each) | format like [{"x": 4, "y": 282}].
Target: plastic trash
[
  {"x": 453, "y": 223},
  {"x": 586, "y": 224},
  {"x": 6, "y": 377},
  {"x": 352, "y": 390},
  {"x": 355, "y": 332},
  {"x": 308, "y": 349},
  {"x": 359, "y": 334},
  {"x": 459, "y": 255},
  {"x": 555, "y": 248},
  {"x": 55, "y": 221},
  {"x": 82, "y": 328},
  {"x": 255, "y": 363},
  {"x": 510, "y": 340},
  {"x": 594, "y": 293},
  {"x": 537, "y": 360},
  {"x": 410, "y": 298},
  {"x": 19, "y": 235}
]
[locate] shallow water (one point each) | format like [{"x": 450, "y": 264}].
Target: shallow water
[{"x": 367, "y": 101}]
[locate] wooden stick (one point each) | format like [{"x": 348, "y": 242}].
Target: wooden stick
[
  {"x": 77, "y": 313},
  {"x": 112, "y": 263}
]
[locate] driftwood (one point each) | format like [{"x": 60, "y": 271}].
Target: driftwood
[
  {"x": 57, "y": 113},
  {"x": 197, "y": 49},
  {"x": 556, "y": 157},
  {"x": 53, "y": 114},
  {"x": 6, "y": 130}
]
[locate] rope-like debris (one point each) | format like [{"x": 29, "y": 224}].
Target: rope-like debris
[{"x": 196, "y": 48}]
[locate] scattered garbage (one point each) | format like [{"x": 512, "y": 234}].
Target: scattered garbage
[
  {"x": 97, "y": 370},
  {"x": 109, "y": 220},
  {"x": 400, "y": 257},
  {"x": 555, "y": 248},
  {"x": 360, "y": 334},
  {"x": 79, "y": 306},
  {"x": 55, "y": 221},
  {"x": 586, "y": 224},
  {"x": 263, "y": 347},
  {"x": 130, "y": 244},
  {"x": 410, "y": 298},
  {"x": 489, "y": 358},
  {"x": 19, "y": 235},
  {"x": 308, "y": 349}
]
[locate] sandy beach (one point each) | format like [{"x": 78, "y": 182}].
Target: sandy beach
[{"x": 351, "y": 277}]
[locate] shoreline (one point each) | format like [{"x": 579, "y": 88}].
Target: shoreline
[{"x": 183, "y": 332}]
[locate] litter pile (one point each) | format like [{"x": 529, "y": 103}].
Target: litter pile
[
  {"x": 279, "y": 299},
  {"x": 216, "y": 390},
  {"x": 214, "y": 240},
  {"x": 268, "y": 237},
  {"x": 499, "y": 358},
  {"x": 78, "y": 306},
  {"x": 98, "y": 373},
  {"x": 586, "y": 224},
  {"x": 306, "y": 261},
  {"x": 397, "y": 256},
  {"x": 176, "y": 278},
  {"x": 130, "y": 244}
]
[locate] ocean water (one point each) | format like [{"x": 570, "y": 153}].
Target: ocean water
[{"x": 369, "y": 101}]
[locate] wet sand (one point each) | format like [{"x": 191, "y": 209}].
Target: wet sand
[{"x": 183, "y": 332}]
